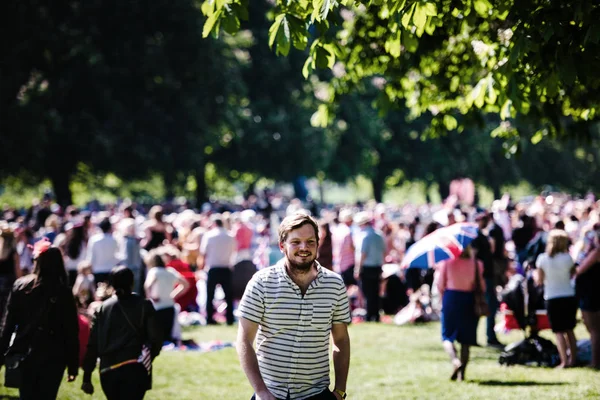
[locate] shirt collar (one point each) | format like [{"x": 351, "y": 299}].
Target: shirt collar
[{"x": 283, "y": 271}]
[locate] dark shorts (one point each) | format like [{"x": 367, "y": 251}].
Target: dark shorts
[
  {"x": 562, "y": 313},
  {"x": 348, "y": 276},
  {"x": 589, "y": 303}
]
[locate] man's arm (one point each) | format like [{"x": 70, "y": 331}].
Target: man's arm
[
  {"x": 341, "y": 355},
  {"x": 245, "y": 339},
  {"x": 359, "y": 265}
]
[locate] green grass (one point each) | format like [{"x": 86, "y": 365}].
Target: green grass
[{"x": 388, "y": 362}]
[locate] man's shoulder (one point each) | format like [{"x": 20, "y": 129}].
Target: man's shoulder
[
  {"x": 266, "y": 273},
  {"x": 330, "y": 276}
]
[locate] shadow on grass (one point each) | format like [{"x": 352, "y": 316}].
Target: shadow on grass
[
  {"x": 519, "y": 383},
  {"x": 7, "y": 397}
]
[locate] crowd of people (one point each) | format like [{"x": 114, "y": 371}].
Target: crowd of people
[{"x": 176, "y": 257}]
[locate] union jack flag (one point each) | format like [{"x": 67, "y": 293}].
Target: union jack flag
[{"x": 442, "y": 244}]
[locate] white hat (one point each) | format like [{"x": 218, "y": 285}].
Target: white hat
[
  {"x": 362, "y": 218},
  {"x": 345, "y": 215}
]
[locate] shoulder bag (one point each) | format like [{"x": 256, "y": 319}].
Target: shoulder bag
[{"x": 145, "y": 356}]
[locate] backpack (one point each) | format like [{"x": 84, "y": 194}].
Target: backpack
[{"x": 531, "y": 351}]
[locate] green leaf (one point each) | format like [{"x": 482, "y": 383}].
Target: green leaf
[
  {"x": 397, "y": 5},
  {"x": 537, "y": 137},
  {"x": 492, "y": 96},
  {"x": 411, "y": 43},
  {"x": 323, "y": 58},
  {"x": 321, "y": 9},
  {"x": 308, "y": 67},
  {"x": 454, "y": 82},
  {"x": 482, "y": 7},
  {"x": 211, "y": 23},
  {"x": 207, "y": 8},
  {"x": 505, "y": 110},
  {"x": 407, "y": 16},
  {"x": 450, "y": 122},
  {"x": 274, "y": 29},
  {"x": 420, "y": 18},
  {"x": 394, "y": 45},
  {"x": 231, "y": 23},
  {"x": 299, "y": 32},
  {"x": 430, "y": 9},
  {"x": 279, "y": 33},
  {"x": 320, "y": 119}
]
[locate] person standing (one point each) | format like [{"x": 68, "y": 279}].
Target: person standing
[
  {"x": 41, "y": 314},
  {"x": 291, "y": 360},
  {"x": 325, "y": 253},
  {"x": 102, "y": 252},
  {"x": 10, "y": 268},
  {"x": 120, "y": 329},
  {"x": 555, "y": 268},
  {"x": 588, "y": 282},
  {"x": 343, "y": 248},
  {"x": 370, "y": 259},
  {"x": 483, "y": 248},
  {"x": 164, "y": 285},
  {"x": 456, "y": 285},
  {"x": 217, "y": 254}
]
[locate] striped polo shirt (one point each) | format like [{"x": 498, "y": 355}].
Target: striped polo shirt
[{"x": 292, "y": 344}]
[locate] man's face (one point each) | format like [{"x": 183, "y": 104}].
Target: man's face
[{"x": 300, "y": 248}]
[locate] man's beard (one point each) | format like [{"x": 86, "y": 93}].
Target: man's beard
[{"x": 301, "y": 267}]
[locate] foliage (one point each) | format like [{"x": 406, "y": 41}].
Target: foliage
[{"x": 525, "y": 59}]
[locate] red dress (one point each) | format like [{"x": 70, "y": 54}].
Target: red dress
[{"x": 188, "y": 299}]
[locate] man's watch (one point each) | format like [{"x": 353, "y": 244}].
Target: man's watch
[{"x": 341, "y": 393}]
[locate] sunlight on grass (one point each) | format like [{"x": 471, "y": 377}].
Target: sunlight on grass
[{"x": 388, "y": 363}]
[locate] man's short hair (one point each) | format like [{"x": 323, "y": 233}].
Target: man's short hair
[
  {"x": 217, "y": 219},
  {"x": 295, "y": 221},
  {"x": 105, "y": 225}
]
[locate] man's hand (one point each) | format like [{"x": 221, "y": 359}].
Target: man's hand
[
  {"x": 265, "y": 396},
  {"x": 71, "y": 378},
  {"x": 337, "y": 396},
  {"x": 87, "y": 387}
]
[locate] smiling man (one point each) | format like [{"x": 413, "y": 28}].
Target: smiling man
[{"x": 292, "y": 308}]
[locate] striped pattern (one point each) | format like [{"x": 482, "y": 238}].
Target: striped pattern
[
  {"x": 292, "y": 344},
  {"x": 343, "y": 251}
]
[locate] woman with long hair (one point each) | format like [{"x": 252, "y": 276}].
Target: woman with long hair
[
  {"x": 325, "y": 251},
  {"x": 156, "y": 230},
  {"x": 555, "y": 268},
  {"x": 41, "y": 313},
  {"x": 74, "y": 250},
  {"x": 10, "y": 268},
  {"x": 125, "y": 336},
  {"x": 588, "y": 282},
  {"x": 456, "y": 284}
]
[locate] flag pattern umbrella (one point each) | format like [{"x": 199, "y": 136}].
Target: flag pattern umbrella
[{"x": 442, "y": 244}]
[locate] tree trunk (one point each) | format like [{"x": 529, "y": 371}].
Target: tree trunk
[
  {"x": 444, "y": 189},
  {"x": 377, "y": 183},
  {"x": 497, "y": 191},
  {"x": 62, "y": 191},
  {"x": 201, "y": 192}
]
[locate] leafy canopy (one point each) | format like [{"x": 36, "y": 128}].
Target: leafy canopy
[{"x": 535, "y": 59}]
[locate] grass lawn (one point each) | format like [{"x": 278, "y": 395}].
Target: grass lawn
[{"x": 388, "y": 362}]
